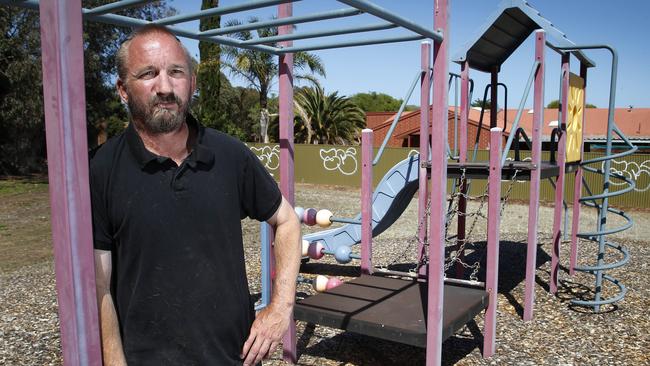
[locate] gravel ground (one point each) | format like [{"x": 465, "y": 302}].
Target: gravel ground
[{"x": 558, "y": 335}]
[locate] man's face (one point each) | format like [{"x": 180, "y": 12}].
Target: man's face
[{"x": 159, "y": 83}]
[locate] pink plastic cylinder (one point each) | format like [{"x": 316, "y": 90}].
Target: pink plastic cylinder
[
  {"x": 332, "y": 283},
  {"x": 309, "y": 217},
  {"x": 315, "y": 250}
]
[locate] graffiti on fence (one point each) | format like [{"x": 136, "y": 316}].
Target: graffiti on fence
[
  {"x": 343, "y": 160},
  {"x": 268, "y": 155},
  {"x": 639, "y": 173}
]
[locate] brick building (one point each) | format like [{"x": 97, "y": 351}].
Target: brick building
[
  {"x": 633, "y": 122},
  {"x": 407, "y": 131}
]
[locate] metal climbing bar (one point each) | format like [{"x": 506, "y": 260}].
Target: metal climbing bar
[
  {"x": 317, "y": 34},
  {"x": 287, "y": 153},
  {"x": 492, "y": 261},
  {"x": 380, "y": 152},
  {"x": 103, "y": 15},
  {"x": 603, "y": 208},
  {"x": 345, "y": 221},
  {"x": 535, "y": 176},
  {"x": 64, "y": 109},
  {"x": 380, "y": 12},
  {"x": 423, "y": 182},
  {"x": 556, "y": 234},
  {"x": 221, "y": 10},
  {"x": 124, "y": 21},
  {"x": 326, "y": 46},
  {"x": 366, "y": 200},
  {"x": 265, "y": 236},
  {"x": 332, "y": 14},
  {"x": 488, "y": 87},
  {"x": 438, "y": 191},
  {"x": 116, "y": 6},
  {"x": 524, "y": 98}
]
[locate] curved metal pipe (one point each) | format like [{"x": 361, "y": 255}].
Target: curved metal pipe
[{"x": 601, "y": 232}]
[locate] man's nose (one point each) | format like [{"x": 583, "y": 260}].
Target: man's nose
[{"x": 164, "y": 85}]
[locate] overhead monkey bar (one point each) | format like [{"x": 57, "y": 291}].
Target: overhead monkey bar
[{"x": 106, "y": 14}]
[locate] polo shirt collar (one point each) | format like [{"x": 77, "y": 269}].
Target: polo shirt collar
[{"x": 199, "y": 154}]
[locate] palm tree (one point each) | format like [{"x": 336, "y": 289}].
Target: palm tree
[
  {"x": 326, "y": 119},
  {"x": 260, "y": 69}
]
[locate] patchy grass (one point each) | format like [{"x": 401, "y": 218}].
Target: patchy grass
[
  {"x": 17, "y": 186},
  {"x": 24, "y": 223}
]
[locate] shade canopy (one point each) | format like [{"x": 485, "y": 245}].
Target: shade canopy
[{"x": 505, "y": 30}]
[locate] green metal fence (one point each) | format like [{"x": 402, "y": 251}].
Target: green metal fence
[{"x": 341, "y": 165}]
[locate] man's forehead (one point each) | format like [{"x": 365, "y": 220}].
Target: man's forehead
[
  {"x": 155, "y": 39},
  {"x": 143, "y": 46}
]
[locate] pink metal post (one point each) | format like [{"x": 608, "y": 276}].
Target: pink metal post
[
  {"x": 559, "y": 183},
  {"x": 535, "y": 176},
  {"x": 438, "y": 187},
  {"x": 423, "y": 191},
  {"x": 492, "y": 270},
  {"x": 462, "y": 144},
  {"x": 366, "y": 201},
  {"x": 577, "y": 185},
  {"x": 64, "y": 104},
  {"x": 287, "y": 150},
  {"x": 494, "y": 82}
]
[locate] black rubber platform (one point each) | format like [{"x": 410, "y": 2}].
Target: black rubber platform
[
  {"x": 481, "y": 169},
  {"x": 389, "y": 308}
]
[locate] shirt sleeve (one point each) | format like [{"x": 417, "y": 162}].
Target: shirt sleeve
[
  {"x": 260, "y": 195},
  {"x": 102, "y": 239}
]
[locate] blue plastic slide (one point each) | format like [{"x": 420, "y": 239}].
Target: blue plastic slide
[{"x": 391, "y": 197}]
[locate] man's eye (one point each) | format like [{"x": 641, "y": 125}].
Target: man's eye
[
  {"x": 147, "y": 75},
  {"x": 177, "y": 72}
]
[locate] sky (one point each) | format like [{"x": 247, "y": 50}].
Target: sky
[{"x": 391, "y": 68}]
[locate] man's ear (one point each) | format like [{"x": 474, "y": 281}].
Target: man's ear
[{"x": 121, "y": 90}]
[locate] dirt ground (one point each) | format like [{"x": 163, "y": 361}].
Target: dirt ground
[{"x": 560, "y": 334}]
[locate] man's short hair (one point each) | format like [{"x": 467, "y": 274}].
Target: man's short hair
[{"x": 121, "y": 57}]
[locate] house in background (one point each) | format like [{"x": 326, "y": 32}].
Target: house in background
[
  {"x": 633, "y": 122},
  {"x": 407, "y": 131}
]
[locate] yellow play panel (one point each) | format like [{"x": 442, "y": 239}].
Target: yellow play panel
[{"x": 574, "y": 118}]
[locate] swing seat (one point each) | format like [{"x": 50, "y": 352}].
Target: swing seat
[{"x": 389, "y": 308}]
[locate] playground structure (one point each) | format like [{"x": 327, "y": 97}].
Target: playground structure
[{"x": 422, "y": 311}]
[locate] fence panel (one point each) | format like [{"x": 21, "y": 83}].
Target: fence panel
[{"x": 341, "y": 165}]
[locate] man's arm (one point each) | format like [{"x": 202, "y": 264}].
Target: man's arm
[
  {"x": 273, "y": 321},
  {"x": 112, "y": 351}
]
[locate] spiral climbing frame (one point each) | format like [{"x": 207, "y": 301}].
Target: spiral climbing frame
[{"x": 610, "y": 255}]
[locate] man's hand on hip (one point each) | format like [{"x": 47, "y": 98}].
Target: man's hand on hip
[{"x": 266, "y": 333}]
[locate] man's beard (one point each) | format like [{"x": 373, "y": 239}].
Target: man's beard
[{"x": 157, "y": 120}]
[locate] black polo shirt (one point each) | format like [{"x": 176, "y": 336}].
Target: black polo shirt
[{"x": 179, "y": 280}]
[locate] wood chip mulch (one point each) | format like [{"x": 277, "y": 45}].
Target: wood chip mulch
[{"x": 559, "y": 334}]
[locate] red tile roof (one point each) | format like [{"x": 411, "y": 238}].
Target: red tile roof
[{"x": 634, "y": 122}]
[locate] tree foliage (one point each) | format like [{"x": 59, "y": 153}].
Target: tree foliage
[
  {"x": 478, "y": 102},
  {"x": 22, "y": 140},
  {"x": 555, "y": 104},
  {"x": 376, "y": 102},
  {"x": 322, "y": 118},
  {"x": 210, "y": 104},
  {"x": 260, "y": 69}
]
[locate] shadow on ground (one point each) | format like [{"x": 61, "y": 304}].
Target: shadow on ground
[{"x": 364, "y": 350}]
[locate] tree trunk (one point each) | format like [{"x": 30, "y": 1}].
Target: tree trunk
[
  {"x": 264, "y": 114},
  {"x": 209, "y": 79}
]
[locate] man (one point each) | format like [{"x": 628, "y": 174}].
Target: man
[{"x": 168, "y": 196}]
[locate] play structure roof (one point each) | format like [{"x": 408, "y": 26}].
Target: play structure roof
[{"x": 505, "y": 30}]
